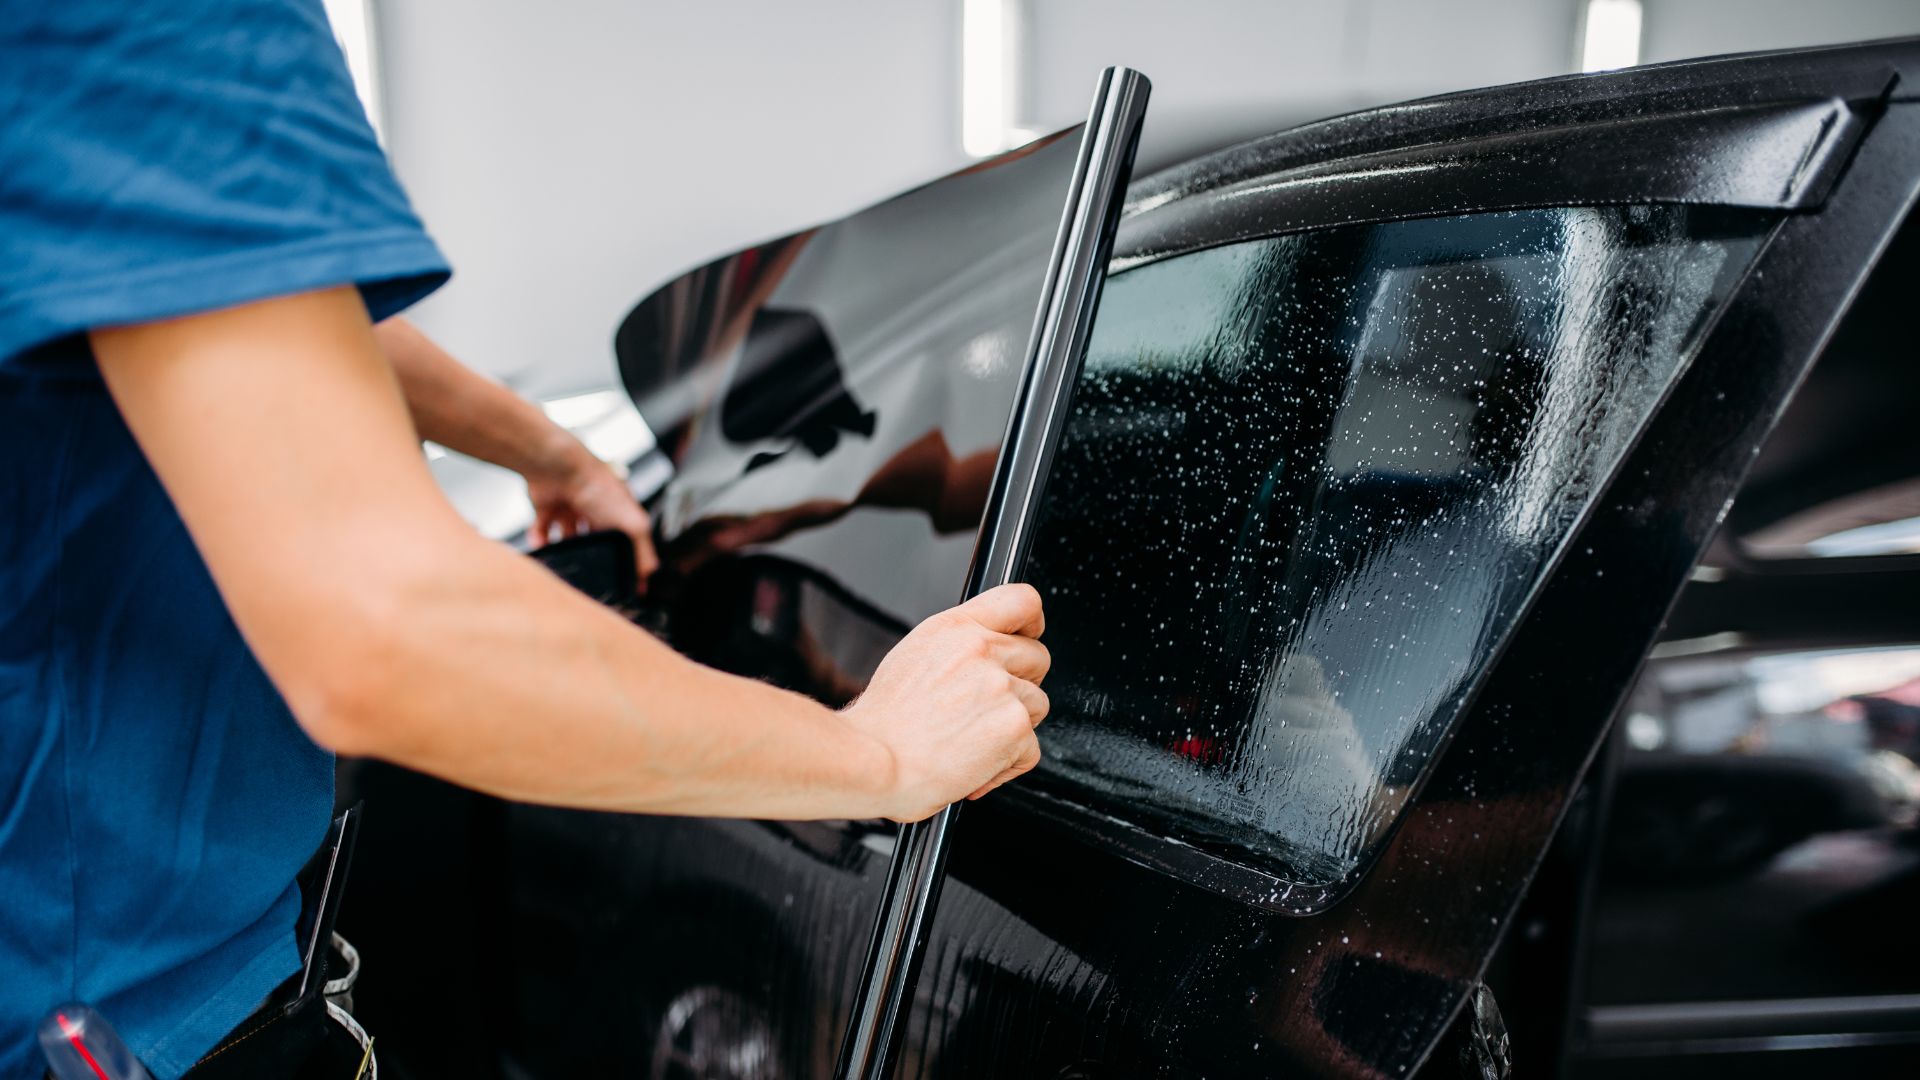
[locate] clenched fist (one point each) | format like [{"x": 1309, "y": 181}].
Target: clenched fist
[{"x": 957, "y": 700}]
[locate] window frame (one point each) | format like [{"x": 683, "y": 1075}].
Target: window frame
[{"x": 1552, "y": 160}]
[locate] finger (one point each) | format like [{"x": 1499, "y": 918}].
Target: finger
[
  {"x": 1034, "y": 698},
  {"x": 987, "y": 788},
  {"x": 1023, "y": 657},
  {"x": 983, "y": 789},
  {"x": 646, "y": 560},
  {"x": 639, "y": 528},
  {"x": 1021, "y": 766},
  {"x": 1009, "y": 609},
  {"x": 542, "y": 528}
]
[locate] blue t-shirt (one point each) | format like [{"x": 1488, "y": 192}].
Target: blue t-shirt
[{"x": 156, "y": 796}]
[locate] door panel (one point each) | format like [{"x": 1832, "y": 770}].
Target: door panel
[{"x": 1307, "y": 491}]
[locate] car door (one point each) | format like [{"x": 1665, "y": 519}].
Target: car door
[{"x": 1381, "y": 475}]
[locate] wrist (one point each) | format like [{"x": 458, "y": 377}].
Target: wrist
[
  {"x": 556, "y": 457},
  {"x": 876, "y": 777}
]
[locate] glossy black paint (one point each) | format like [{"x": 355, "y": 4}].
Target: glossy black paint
[{"x": 1056, "y": 953}]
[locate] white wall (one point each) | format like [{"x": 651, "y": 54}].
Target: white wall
[
  {"x": 1677, "y": 29},
  {"x": 571, "y": 155},
  {"x": 1232, "y": 63}
]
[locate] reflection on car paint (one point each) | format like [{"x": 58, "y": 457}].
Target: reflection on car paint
[{"x": 836, "y": 398}]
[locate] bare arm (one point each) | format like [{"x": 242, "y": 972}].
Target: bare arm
[
  {"x": 394, "y": 631},
  {"x": 463, "y": 410},
  {"x": 459, "y": 408}
]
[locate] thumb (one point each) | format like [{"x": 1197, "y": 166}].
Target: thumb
[{"x": 1008, "y": 609}]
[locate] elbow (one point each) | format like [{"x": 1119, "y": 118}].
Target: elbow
[
  {"x": 338, "y": 721},
  {"x": 380, "y": 665},
  {"x": 346, "y": 693},
  {"x": 341, "y": 711}
]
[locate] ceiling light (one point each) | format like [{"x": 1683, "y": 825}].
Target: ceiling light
[
  {"x": 989, "y": 75},
  {"x": 1611, "y": 37}
]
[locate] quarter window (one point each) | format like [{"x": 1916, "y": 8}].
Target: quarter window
[{"x": 1308, "y": 486}]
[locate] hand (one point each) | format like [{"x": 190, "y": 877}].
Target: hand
[
  {"x": 583, "y": 495},
  {"x": 957, "y": 700}
]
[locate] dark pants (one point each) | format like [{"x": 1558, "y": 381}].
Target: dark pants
[
  {"x": 306, "y": 1044},
  {"x": 315, "y": 1039}
]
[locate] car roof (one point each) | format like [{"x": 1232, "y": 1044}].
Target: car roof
[{"x": 1711, "y": 130}]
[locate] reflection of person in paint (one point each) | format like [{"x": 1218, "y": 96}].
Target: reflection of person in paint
[{"x": 923, "y": 476}]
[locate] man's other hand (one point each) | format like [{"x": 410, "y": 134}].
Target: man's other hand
[
  {"x": 957, "y": 700},
  {"x": 585, "y": 494},
  {"x": 572, "y": 491}
]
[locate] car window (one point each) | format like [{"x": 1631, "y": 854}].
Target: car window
[
  {"x": 1761, "y": 842},
  {"x": 1308, "y": 485},
  {"x": 836, "y": 399}
]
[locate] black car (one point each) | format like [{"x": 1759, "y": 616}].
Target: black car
[{"x": 1482, "y": 570}]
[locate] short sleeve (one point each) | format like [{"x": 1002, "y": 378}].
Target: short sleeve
[{"x": 160, "y": 160}]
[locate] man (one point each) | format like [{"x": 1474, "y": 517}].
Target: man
[{"x": 222, "y": 558}]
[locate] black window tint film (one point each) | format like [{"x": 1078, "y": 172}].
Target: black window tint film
[
  {"x": 833, "y": 403},
  {"x": 1308, "y": 486}
]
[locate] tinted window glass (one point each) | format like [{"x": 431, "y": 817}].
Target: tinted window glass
[{"x": 1308, "y": 485}]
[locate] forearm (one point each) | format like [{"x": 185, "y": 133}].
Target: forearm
[
  {"x": 393, "y": 630},
  {"x": 496, "y": 677},
  {"x": 457, "y": 407}
]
